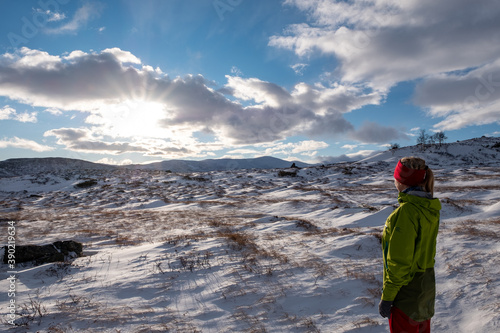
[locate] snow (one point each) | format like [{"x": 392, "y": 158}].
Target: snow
[{"x": 247, "y": 250}]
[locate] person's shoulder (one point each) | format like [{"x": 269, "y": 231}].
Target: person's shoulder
[{"x": 406, "y": 213}]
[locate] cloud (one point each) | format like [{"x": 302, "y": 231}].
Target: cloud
[
  {"x": 54, "y": 17},
  {"x": 262, "y": 92},
  {"x": 359, "y": 155},
  {"x": 236, "y": 71},
  {"x": 244, "y": 151},
  {"x": 123, "y": 56},
  {"x": 8, "y": 113},
  {"x": 86, "y": 140},
  {"x": 415, "y": 38},
  {"x": 305, "y": 148},
  {"x": 466, "y": 99},
  {"x": 308, "y": 146},
  {"x": 83, "y": 14},
  {"x": 379, "y": 43},
  {"x": 20, "y": 143},
  {"x": 82, "y": 140},
  {"x": 129, "y": 103},
  {"x": 371, "y": 132},
  {"x": 111, "y": 161},
  {"x": 299, "y": 68},
  {"x": 350, "y": 147},
  {"x": 50, "y": 16}
]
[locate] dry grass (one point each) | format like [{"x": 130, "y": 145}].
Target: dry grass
[
  {"x": 473, "y": 231},
  {"x": 467, "y": 187}
]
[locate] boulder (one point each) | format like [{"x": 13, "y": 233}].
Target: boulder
[{"x": 41, "y": 254}]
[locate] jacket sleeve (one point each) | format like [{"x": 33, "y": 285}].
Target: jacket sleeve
[{"x": 399, "y": 248}]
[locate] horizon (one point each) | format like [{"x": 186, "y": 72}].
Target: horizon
[
  {"x": 333, "y": 159},
  {"x": 137, "y": 83}
]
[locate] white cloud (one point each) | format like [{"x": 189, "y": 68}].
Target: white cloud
[
  {"x": 351, "y": 157},
  {"x": 34, "y": 59},
  {"x": 54, "y": 111},
  {"x": 299, "y": 68},
  {"x": 244, "y": 151},
  {"x": 54, "y": 17},
  {"x": 8, "y": 113},
  {"x": 123, "y": 56},
  {"x": 462, "y": 100},
  {"x": 350, "y": 147},
  {"x": 236, "y": 71},
  {"x": 129, "y": 103},
  {"x": 83, "y": 140},
  {"x": 50, "y": 16},
  {"x": 308, "y": 147},
  {"x": 27, "y": 117},
  {"x": 111, "y": 161},
  {"x": 83, "y": 14},
  {"x": 415, "y": 38},
  {"x": 380, "y": 43},
  {"x": 20, "y": 143},
  {"x": 262, "y": 92}
]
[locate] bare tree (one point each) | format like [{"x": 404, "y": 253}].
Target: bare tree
[
  {"x": 422, "y": 139},
  {"x": 431, "y": 140},
  {"x": 440, "y": 137}
]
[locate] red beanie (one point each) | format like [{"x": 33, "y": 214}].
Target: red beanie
[{"x": 407, "y": 176}]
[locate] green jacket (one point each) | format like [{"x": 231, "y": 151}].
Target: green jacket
[{"x": 409, "y": 248}]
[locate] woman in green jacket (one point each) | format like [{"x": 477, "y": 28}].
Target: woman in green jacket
[{"x": 409, "y": 248}]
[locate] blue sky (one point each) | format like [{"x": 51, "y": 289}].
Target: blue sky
[{"x": 139, "y": 81}]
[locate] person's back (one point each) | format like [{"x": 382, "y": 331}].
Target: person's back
[{"x": 409, "y": 248}]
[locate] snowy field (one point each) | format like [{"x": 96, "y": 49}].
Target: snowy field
[{"x": 248, "y": 250}]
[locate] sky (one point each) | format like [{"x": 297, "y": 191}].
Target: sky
[{"x": 123, "y": 82}]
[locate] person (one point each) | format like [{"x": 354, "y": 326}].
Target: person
[{"x": 409, "y": 248}]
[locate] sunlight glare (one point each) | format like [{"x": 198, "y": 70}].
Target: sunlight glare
[{"x": 137, "y": 118}]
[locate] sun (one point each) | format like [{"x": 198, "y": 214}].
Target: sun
[{"x": 135, "y": 118}]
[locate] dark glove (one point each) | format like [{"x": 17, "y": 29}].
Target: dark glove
[{"x": 384, "y": 308}]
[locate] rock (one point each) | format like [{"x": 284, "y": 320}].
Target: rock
[
  {"x": 70, "y": 247},
  {"x": 41, "y": 254}
]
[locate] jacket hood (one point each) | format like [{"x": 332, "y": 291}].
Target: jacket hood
[{"x": 421, "y": 199}]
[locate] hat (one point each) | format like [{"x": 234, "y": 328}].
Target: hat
[{"x": 407, "y": 176}]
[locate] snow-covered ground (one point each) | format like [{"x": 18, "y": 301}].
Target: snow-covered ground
[{"x": 247, "y": 250}]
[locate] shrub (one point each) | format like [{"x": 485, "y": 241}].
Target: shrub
[
  {"x": 86, "y": 184},
  {"x": 283, "y": 173}
]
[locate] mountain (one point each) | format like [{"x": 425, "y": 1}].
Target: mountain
[
  {"x": 478, "y": 151},
  {"x": 20, "y": 166},
  {"x": 224, "y": 164}
]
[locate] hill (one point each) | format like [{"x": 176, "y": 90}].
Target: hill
[
  {"x": 254, "y": 250},
  {"x": 23, "y": 166},
  {"x": 224, "y": 164},
  {"x": 482, "y": 151}
]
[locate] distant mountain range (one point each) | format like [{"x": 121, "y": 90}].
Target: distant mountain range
[
  {"x": 20, "y": 166},
  {"x": 477, "y": 151},
  {"x": 224, "y": 164}
]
